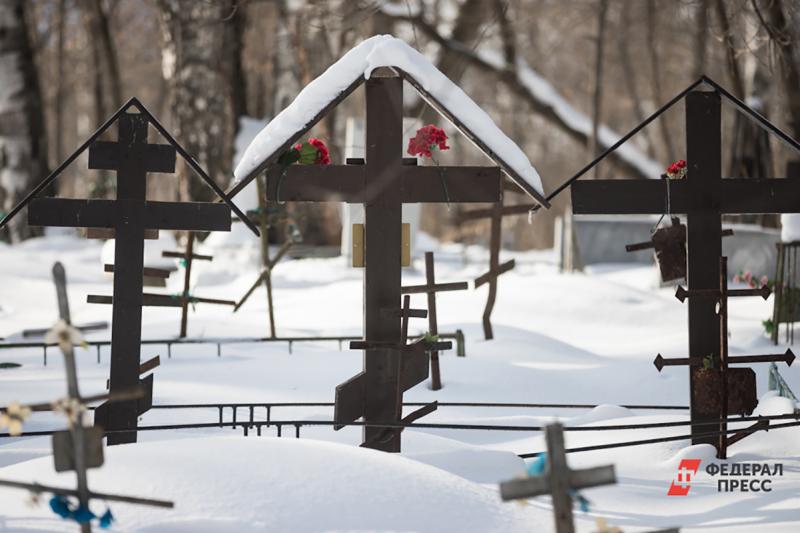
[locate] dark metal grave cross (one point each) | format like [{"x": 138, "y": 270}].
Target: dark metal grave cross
[
  {"x": 558, "y": 480},
  {"x": 716, "y": 398},
  {"x": 704, "y": 197},
  {"x": 495, "y": 214},
  {"x": 430, "y": 289},
  {"x": 185, "y": 299},
  {"x": 130, "y": 215},
  {"x": 382, "y": 183}
]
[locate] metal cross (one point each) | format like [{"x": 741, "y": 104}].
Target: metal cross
[
  {"x": 721, "y": 380},
  {"x": 132, "y": 157},
  {"x": 704, "y": 197}
]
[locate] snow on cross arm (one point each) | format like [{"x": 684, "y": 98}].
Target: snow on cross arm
[{"x": 375, "y": 52}]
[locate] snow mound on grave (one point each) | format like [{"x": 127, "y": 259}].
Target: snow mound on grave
[
  {"x": 704, "y": 452},
  {"x": 601, "y": 413},
  {"x": 771, "y": 404},
  {"x": 375, "y": 52},
  {"x": 270, "y": 484}
]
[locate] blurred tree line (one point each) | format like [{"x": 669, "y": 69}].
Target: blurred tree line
[{"x": 199, "y": 65}]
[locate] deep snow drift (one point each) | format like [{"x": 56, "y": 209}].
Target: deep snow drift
[{"x": 581, "y": 338}]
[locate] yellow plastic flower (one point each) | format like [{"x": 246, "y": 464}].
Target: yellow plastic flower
[
  {"x": 65, "y": 336},
  {"x": 13, "y": 417}
]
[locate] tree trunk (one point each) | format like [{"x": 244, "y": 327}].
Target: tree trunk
[
  {"x": 700, "y": 39},
  {"x": 655, "y": 74},
  {"x": 784, "y": 38},
  {"x": 106, "y": 49},
  {"x": 23, "y": 145},
  {"x": 194, "y": 56},
  {"x": 597, "y": 97}
]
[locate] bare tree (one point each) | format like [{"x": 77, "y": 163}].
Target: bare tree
[
  {"x": 655, "y": 73},
  {"x": 194, "y": 59},
  {"x": 776, "y": 21},
  {"x": 597, "y": 96},
  {"x": 730, "y": 50},
  {"x": 23, "y": 145},
  {"x": 700, "y": 45}
]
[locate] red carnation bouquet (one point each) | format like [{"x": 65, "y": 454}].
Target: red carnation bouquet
[
  {"x": 677, "y": 170},
  {"x": 427, "y": 139},
  {"x": 311, "y": 152}
]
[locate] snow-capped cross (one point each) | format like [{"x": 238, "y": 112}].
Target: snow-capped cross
[{"x": 383, "y": 182}]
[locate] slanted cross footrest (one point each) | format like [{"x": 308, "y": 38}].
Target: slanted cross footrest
[{"x": 502, "y": 269}]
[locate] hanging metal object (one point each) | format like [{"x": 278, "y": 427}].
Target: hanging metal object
[{"x": 669, "y": 244}]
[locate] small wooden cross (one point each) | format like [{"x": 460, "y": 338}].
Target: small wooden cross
[
  {"x": 558, "y": 480},
  {"x": 132, "y": 157},
  {"x": 495, "y": 214},
  {"x": 60, "y": 281},
  {"x": 721, "y": 381},
  {"x": 431, "y": 288},
  {"x": 704, "y": 197},
  {"x": 185, "y": 299},
  {"x": 79, "y": 448},
  {"x": 267, "y": 219}
]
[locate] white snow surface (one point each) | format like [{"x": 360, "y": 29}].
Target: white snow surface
[
  {"x": 228, "y": 483},
  {"x": 560, "y": 338},
  {"x": 375, "y": 52},
  {"x": 790, "y": 227}
]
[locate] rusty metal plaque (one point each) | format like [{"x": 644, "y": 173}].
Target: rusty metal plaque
[{"x": 742, "y": 397}]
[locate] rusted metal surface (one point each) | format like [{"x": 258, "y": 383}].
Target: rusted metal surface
[
  {"x": 703, "y": 196},
  {"x": 719, "y": 390}
]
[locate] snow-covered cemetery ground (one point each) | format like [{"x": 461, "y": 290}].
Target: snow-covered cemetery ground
[{"x": 586, "y": 338}]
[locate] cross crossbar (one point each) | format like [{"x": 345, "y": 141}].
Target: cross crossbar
[{"x": 69, "y": 212}]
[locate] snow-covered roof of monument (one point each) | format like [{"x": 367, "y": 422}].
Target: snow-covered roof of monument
[{"x": 341, "y": 78}]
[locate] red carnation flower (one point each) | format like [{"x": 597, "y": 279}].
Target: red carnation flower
[
  {"x": 677, "y": 170},
  {"x": 427, "y": 139},
  {"x": 323, "y": 155}
]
